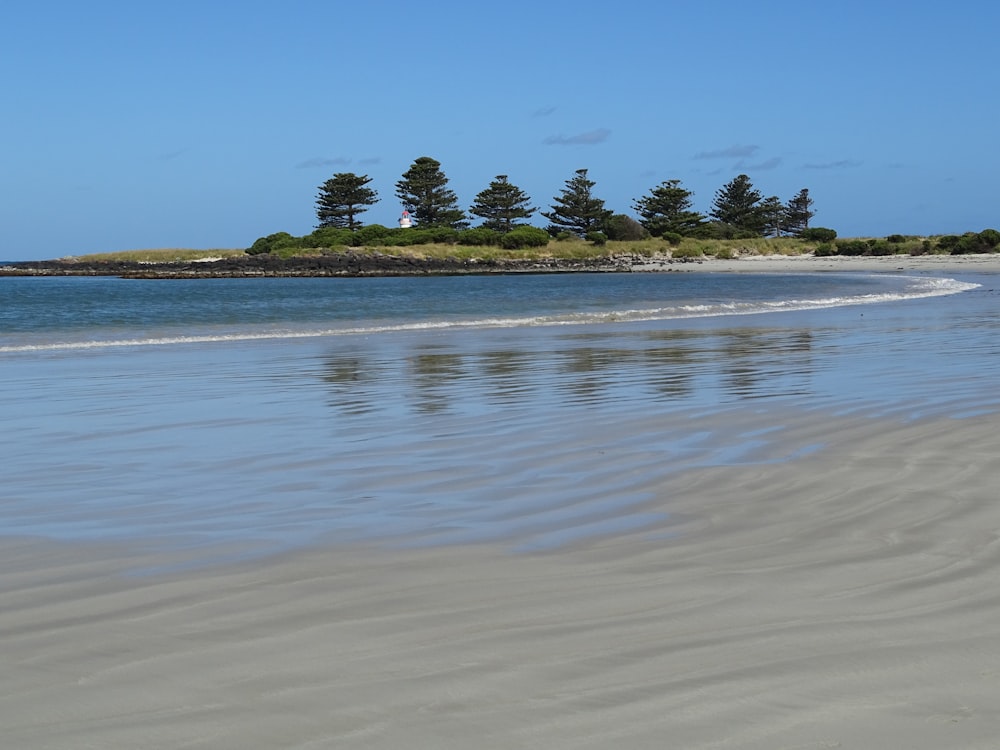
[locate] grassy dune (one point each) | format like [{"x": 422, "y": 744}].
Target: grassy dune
[{"x": 161, "y": 255}]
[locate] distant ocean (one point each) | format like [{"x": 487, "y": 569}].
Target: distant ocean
[
  {"x": 79, "y": 313},
  {"x": 244, "y": 416}
]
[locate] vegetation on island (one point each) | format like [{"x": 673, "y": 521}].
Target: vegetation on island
[
  {"x": 666, "y": 224},
  {"x": 740, "y": 220}
]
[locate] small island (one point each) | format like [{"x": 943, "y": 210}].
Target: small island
[{"x": 435, "y": 236}]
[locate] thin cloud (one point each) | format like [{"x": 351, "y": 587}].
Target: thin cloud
[
  {"x": 171, "y": 155},
  {"x": 543, "y": 111},
  {"x": 589, "y": 138},
  {"x": 371, "y": 160},
  {"x": 319, "y": 161},
  {"x": 733, "y": 152},
  {"x": 840, "y": 164},
  {"x": 771, "y": 163}
]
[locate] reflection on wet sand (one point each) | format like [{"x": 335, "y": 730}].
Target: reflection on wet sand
[{"x": 714, "y": 365}]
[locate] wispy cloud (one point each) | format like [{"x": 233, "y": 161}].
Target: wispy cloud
[
  {"x": 371, "y": 160},
  {"x": 840, "y": 164},
  {"x": 589, "y": 138},
  {"x": 319, "y": 161},
  {"x": 760, "y": 166},
  {"x": 733, "y": 152},
  {"x": 171, "y": 155},
  {"x": 543, "y": 111}
]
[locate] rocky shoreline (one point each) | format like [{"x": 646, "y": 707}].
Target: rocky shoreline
[
  {"x": 353, "y": 264},
  {"x": 342, "y": 264}
]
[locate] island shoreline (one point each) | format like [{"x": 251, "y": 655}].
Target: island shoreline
[{"x": 378, "y": 264}]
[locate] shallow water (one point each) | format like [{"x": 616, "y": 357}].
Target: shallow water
[{"x": 434, "y": 426}]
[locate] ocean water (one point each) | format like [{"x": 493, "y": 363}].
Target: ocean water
[{"x": 225, "y": 418}]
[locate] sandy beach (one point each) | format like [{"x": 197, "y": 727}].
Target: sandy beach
[
  {"x": 836, "y": 590},
  {"x": 987, "y": 263}
]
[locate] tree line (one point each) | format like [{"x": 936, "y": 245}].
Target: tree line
[{"x": 738, "y": 210}]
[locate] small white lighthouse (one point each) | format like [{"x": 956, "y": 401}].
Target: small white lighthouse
[{"x": 405, "y": 222}]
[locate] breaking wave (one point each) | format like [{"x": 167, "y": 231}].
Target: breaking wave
[{"x": 916, "y": 287}]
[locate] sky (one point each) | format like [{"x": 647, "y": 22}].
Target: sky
[{"x": 208, "y": 124}]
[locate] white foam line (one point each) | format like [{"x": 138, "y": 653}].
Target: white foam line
[{"x": 922, "y": 288}]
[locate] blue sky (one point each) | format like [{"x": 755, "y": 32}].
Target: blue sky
[{"x": 208, "y": 124}]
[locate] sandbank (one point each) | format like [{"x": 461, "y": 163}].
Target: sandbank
[{"x": 979, "y": 263}]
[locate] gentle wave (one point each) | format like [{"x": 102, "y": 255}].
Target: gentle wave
[{"x": 919, "y": 288}]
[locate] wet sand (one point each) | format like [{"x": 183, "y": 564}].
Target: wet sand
[
  {"x": 841, "y": 595},
  {"x": 986, "y": 263},
  {"x": 847, "y": 599}
]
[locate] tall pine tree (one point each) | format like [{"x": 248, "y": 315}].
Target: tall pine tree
[
  {"x": 424, "y": 192},
  {"x": 774, "y": 216},
  {"x": 667, "y": 208},
  {"x": 342, "y": 198},
  {"x": 576, "y": 209},
  {"x": 799, "y": 212},
  {"x": 501, "y": 205},
  {"x": 737, "y": 204}
]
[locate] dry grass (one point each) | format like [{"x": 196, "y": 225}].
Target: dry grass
[{"x": 162, "y": 255}]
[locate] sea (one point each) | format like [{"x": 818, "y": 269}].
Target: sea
[{"x": 221, "y": 419}]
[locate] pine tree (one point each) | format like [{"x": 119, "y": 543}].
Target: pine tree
[
  {"x": 576, "y": 209},
  {"x": 737, "y": 203},
  {"x": 501, "y": 204},
  {"x": 424, "y": 192},
  {"x": 342, "y": 198},
  {"x": 799, "y": 212},
  {"x": 773, "y": 216},
  {"x": 667, "y": 208}
]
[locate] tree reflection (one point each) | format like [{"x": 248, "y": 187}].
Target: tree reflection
[
  {"x": 590, "y": 369},
  {"x": 759, "y": 363},
  {"x": 352, "y": 379},
  {"x": 434, "y": 374}
]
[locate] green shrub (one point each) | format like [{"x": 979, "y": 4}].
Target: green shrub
[
  {"x": 970, "y": 242},
  {"x": 825, "y": 250},
  {"x": 990, "y": 238},
  {"x": 479, "y": 237},
  {"x": 273, "y": 242},
  {"x": 818, "y": 234},
  {"x": 525, "y": 236},
  {"x": 673, "y": 238},
  {"x": 373, "y": 234},
  {"x": 398, "y": 237},
  {"x": 620, "y": 227},
  {"x": 418, "y": 236},
  {"x": 328, "y": 237},
  {"x": 948, "y": 241},
  {"x": 442, "y": 235},
  {"x": 563, "y": 236},
  {"x": 883, "y": 247},
  {"x": 598, "y": 238},
  {"x": 852, "y": 247}
]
